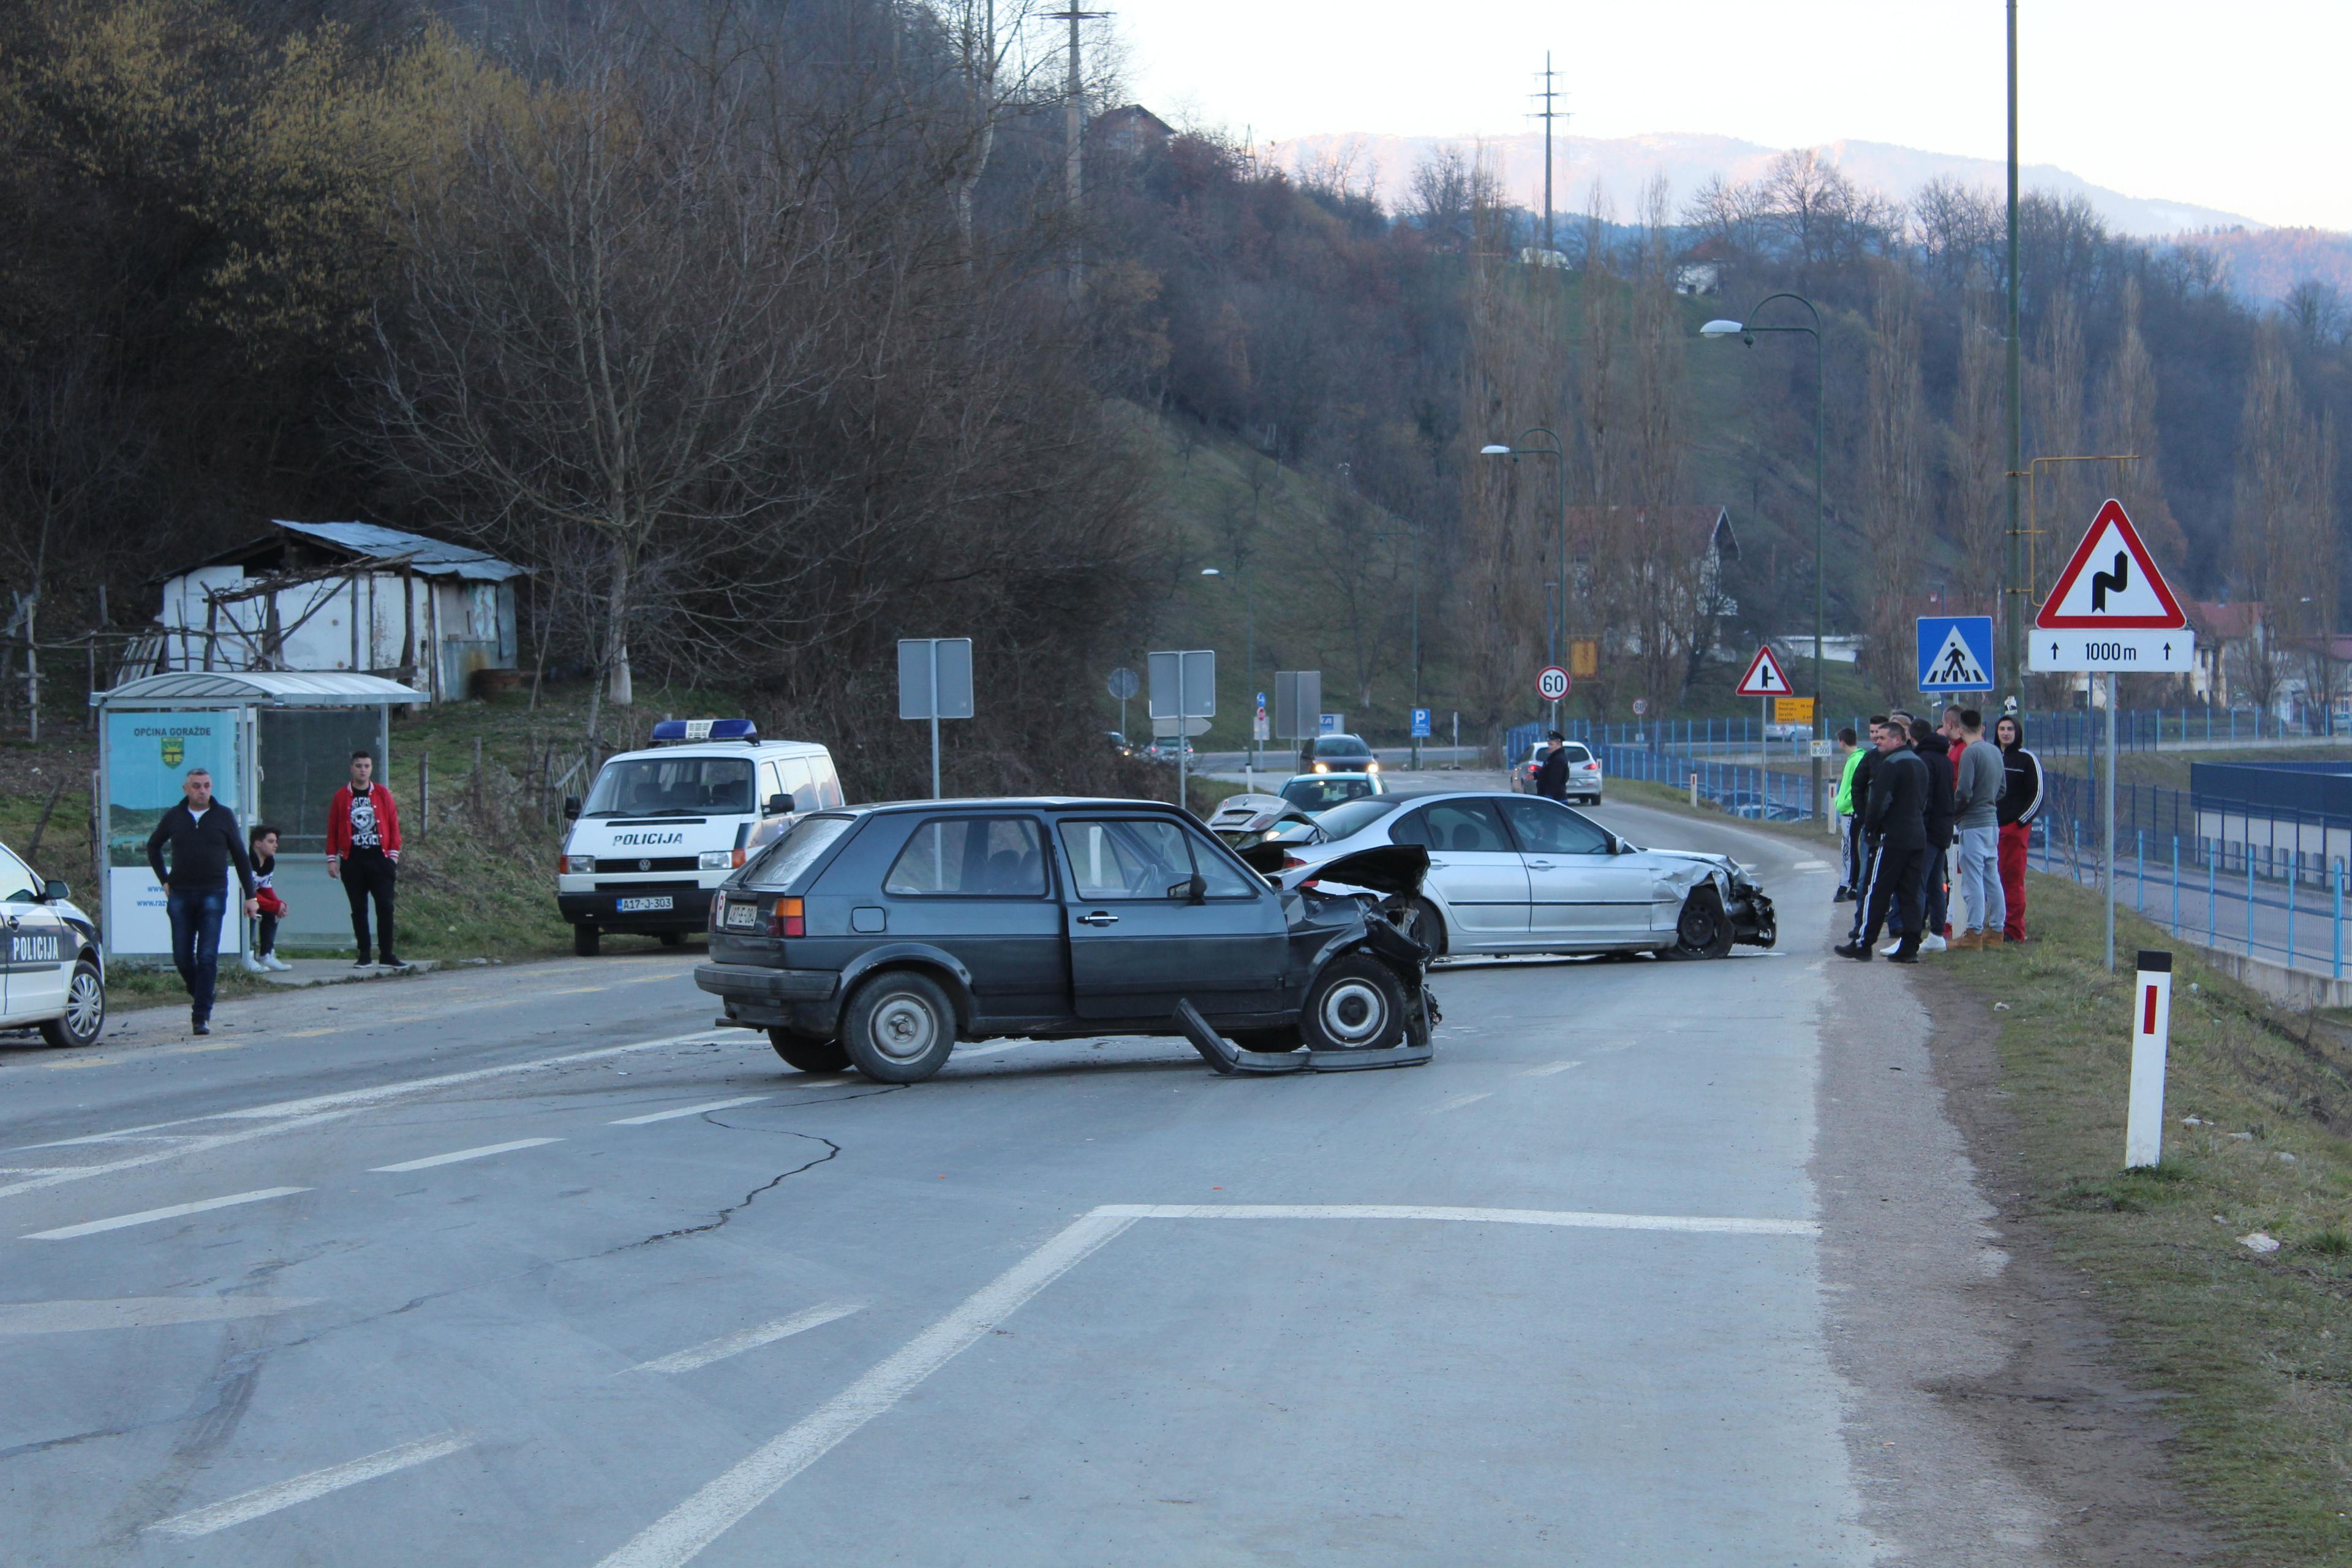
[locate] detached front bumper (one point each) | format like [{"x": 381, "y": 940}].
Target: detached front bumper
[{"x": 806, "y": 1001}]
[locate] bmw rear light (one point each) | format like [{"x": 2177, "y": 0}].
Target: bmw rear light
[
  {"x": 1291, "y": 862},
  {"x": 786, "y": 918}
]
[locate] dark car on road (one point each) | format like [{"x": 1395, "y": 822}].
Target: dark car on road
[
  {"x": 1337, "y": 754},
  {"x": 879, "y": 936}
]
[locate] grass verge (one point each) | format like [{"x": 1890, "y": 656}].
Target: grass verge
[{"x": 2253, "y": 1349}]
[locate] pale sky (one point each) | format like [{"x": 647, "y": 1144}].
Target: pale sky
[{"x": 2238, "y": 105}]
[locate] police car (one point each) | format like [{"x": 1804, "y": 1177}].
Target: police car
[
  {"x": 661, "y": 828},
  {"x": 52, "y": 976}
]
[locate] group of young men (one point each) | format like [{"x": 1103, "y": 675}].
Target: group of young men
[
  {"x": 199, "y": 839},
  {"x": 1910, "y": 798}
]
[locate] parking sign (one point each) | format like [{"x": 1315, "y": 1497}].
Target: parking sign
[{"x": 1421, "y": 724}]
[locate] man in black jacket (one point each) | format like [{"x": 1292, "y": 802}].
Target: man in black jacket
[
  {"x": 1897, "y": 813},
  {"x": 205, "y": 842},
  {"x": 1551, "y": 778},
  {"x": 1865, "y": 840},
  {"x": 1933, "y": 744}
]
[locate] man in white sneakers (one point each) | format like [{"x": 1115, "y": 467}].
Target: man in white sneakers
[{"x": 364, "y": 851}]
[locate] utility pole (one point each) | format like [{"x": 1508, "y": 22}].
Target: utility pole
[
  {"x": 1074, "y": 139},
  {"x": 2021, "y": 592},
  {"x": 1547, "y": 96}
]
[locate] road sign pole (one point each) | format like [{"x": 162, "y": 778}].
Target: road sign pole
[
  {"x": 2107, "y": 809},
  {"x": 935, "y": 718}
]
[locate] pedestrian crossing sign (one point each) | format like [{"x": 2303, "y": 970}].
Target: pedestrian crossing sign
[{"x": 1955, "y": 653}]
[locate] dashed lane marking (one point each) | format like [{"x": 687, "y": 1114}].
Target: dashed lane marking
[
  {"x": 139, "y": 1313},
  {"x": 744, "y": 1340},
  {"x": 679, "y": 1535},
  {"x": 1809, "y": 865},
  {"x": 651, "y": 1117},
  {"x": 454, "y": 1155},
  {"x": 149, "y": 1217},
  {"x": 1548, "y": 1068},
  {"x": 318, "y": 1483}
]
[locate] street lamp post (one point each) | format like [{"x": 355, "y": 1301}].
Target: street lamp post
[
  {"x": 1559, "y": 628},
  {"x": 1746, "y": 332},
  {"x": 1249, "y": 662}
]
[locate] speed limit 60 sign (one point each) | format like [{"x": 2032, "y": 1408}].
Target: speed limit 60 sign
[{"x": 1552, "y": 684}]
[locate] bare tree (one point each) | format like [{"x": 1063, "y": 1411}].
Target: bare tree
[
  {"x": 1976, "y": 505},
  {"x": 2286, "y": 534},
  {"x": 1894, "y": 477},
  {"x": 602, "y": 325},
  {"x": 2054, "y": 427},
  {"x": 2126, "y": 423}
]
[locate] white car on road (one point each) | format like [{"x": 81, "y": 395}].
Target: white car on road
[
  {"x": 1512, "y": 873},
  {"x": 52, "y": 973}
]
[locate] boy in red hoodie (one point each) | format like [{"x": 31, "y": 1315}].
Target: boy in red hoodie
[{"x": 363, "y": 850}]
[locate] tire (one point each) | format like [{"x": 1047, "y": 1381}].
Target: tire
[
  {"x": 583, "y": 941},
  {"x": 1355, "y": 1004},
  {"x": 807, "y": 1053},
  {"x": 898, "y": 1028},
  {"x": 1427, "y": 927},
  {"x": 1704, "y": 930},
  {"x": 85, "y": 1013},
  {"x": 1272, "y": 1041},
  {"x": 673, "y": 939}
]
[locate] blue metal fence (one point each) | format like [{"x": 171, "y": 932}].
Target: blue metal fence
[{"x": 2076, "y": 732}]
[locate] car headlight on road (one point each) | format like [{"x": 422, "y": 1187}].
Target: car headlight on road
[
  {"x": 1371, "y": 767},
  {"x": 578, "y": 865},
  {"x": 717, "y": 860},
  {"x": 1322, "y": 767}
]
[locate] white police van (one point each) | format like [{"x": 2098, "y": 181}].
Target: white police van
[{"x": 661, "y": 828}]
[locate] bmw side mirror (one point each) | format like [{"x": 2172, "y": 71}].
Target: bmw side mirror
[
  {"x": 55, "y": 892},
  {"x": 571, "y": 808}
]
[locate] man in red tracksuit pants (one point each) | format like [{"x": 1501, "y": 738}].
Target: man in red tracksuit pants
[
  {"x": 2020, "y": 801},
  {"x": 363, "y": 851}
]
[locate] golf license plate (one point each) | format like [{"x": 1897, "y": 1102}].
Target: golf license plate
[
  {"x": 642, "y": 906},
  {"x": 742, "y": 917}
]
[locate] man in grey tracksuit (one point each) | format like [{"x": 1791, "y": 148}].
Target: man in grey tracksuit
[{"x": 1976, "y": 795}]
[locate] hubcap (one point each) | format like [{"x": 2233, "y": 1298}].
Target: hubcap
[
  {"x": 1354, "y": 1011},
  {"x": 903, "y": 1029},
  {"x": 85, "y": 1004}
]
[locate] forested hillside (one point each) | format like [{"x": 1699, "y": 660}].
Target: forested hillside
[{"x": 765, "y": 336}]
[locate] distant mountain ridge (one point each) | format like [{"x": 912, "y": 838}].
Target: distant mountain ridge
[
  {"x": 2266, "y": 263},
  {"x": 1624, "y": 164}
]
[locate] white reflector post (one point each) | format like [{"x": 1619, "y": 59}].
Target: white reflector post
[{"x": 2151, "y": 1028}]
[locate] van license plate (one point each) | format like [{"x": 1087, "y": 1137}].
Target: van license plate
[
  {"x": 742, "y": 917},
  {"x": 641, "y": 906}
]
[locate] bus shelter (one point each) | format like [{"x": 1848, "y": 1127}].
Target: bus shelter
[{"x": 277, "y": 744}]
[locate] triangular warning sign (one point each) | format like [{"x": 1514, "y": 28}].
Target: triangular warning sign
[
  {"x": 2111, "y": 585},
  {"x": 1955, "y": 664},
  {"x": 1764, "y": 677}
]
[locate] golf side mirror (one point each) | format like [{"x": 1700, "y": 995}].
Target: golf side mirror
[
  {"x": 571, "y": 808},
  {"x": 1194, "y": 889},
  {"x": 55, "y": 892}
]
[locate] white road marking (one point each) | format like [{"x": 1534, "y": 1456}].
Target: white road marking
[
  {"x": 139, "y": 1313},
  {"x": 676, "y": 1537},
  {"x": 147, "y": 1217},
  {"x": 318, "y": 1483},
  {"x": 653, "y": 1117},
  {"x": 962, "y": 1055},
  {"x": 1571, "y": 1218},
  {"x": 744, "y": 1340},
  {"x": 1457, "y": 1102},
  {"x": 1809, "y": 865},
  {"x": 484, "y": 1152},
  {"x": 1548, "y": 1068},
  {"x": 300, "y": 1113}
]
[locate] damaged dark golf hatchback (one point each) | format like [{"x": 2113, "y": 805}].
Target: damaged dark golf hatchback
[{"x": 878, "y": 936}]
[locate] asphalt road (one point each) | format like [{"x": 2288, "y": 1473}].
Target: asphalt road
[{"x": 531, "y": 1266}]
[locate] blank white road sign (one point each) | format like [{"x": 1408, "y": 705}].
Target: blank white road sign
[{"x": 1184, "y": 684}]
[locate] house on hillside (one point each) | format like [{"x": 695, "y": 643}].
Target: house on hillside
[
  {"x": 339, "y": 595},
  {"x": 2230, "y": 638},
  {"x": 1131, "y": 128}
]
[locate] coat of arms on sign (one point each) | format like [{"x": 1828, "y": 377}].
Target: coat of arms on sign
[{"x": 174, "y": 751}]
